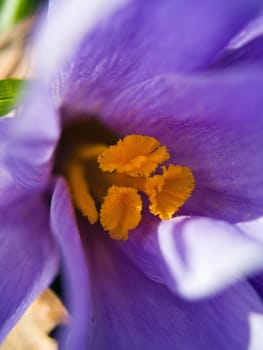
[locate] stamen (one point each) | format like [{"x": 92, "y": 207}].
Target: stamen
[
  {"x": 121, "y": 211},
  {"x": 111, "y": 178},
  {"x": 80, "y": 192},
  {"x": 91, "y": 151},
  {"x": 169, "y": 191},
  {"x": 135, "y": 155}
]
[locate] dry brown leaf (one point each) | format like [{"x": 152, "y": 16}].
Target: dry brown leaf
[
  {"x": 31, "y": 332},
  {"x": 15, "y": 53}
]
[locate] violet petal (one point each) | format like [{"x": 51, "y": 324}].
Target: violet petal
[
  {"x": 250, "y": 53},
  {"x": 148, "y": 38},
  {"x": 195, "y": 257},
  {"x": 32, "y": 140},
  {"x": 29, "y": 259},
  {"x": 132, "y": 312},
  {"x": 206, "y": 255},
  {"x": 9, "y": 190},
  {"x": 75, "y": 270}
]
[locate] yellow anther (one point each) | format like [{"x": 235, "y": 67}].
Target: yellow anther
[
  {"x": 121, "y": 211},
  {"x": 110, "y": 177},
  {"x": 169, "y": 191},
  {"x": 80, "y": 192},
  {"x": 135, "y": 155}
]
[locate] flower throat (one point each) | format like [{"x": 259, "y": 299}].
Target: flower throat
[{"x": 106, "y": 178}]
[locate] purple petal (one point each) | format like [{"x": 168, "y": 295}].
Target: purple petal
[
  {"x": 132, "y": 312},
  {"x": 256, "y": 324},
  {"x": 75, "y": 269},
  {"x": 32, "y": 140},
  {"x": 250, "y": 32},
  {"x": 63, "y": 32},
  {"x": 255, "y": 229},
  {"x": 5, "y": 123},
  {"x": 37, "y": 129},
  {"x": 245, "y": 48},
  {"x": 143, "y": 249},
  {"x": 257, "y": 283},
  {"x": 211, "y": 123},
  {"x": 28, "y": 258},
  {"x": 250, "y": 53},
  {"x": 9, "y": 191},
  {"x": 147, "y": 38},
  {"x": 206, "y": 255},
  {"x": 195, "y": 257}
]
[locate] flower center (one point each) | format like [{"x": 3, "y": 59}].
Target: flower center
[{"x": 106, "y": 182}]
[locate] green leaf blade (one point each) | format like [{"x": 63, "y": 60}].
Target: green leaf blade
[{"x": 10, "y": 93}]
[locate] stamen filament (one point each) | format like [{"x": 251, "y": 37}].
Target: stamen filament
[
  {"x": 80, "y": 192},
  {"x": 88, "y": 152}
]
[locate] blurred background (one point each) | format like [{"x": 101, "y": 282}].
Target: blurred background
[{"x": 17, "y": 20}]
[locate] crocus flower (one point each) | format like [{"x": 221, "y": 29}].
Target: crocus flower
[{"x": 146, "y": 127}]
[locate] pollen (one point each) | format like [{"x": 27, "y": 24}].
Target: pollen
[
  {"x": 109, "y": 183},
  {"x": 169, "y": 191},
  {"x": 135, "y": 155},
  {"x": 121, "y": 211}
]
